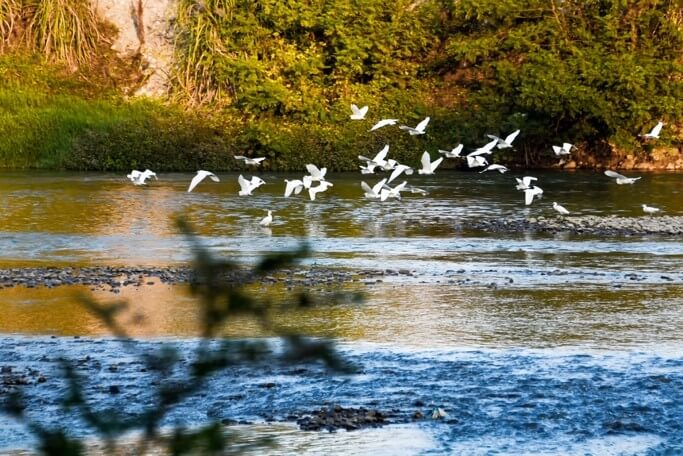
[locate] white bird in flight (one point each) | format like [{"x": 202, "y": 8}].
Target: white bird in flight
[
  {"x": 267, "y": 220},
  {"x": 428, "y": 166},
  {"x": 505, "y": 143},
  {"x": 383, "y": 123},
  {"x": 388, "y": 192},
  {"x": 454, "y": 153},
  {"x": 525, "y": 182},
  {"x": 316, "y": 175},
  {"x": 313, "y": 191},
  {"x": 358, "y": 113},
  {"x": 419, "y": 128},
  {"x": 139, "y": 178},
  {"x": 201, "y": 174},
  {"x": 417, "y": 190},
  {"x": 248, "y": 186},
  {"x": 564, "y": 150},
  {"x": 654, "y": 133},
  {"x": 398, "y": 170},
  {"x": 250, "y": 161},
  {"x": 475, "y": 161},
  {"x": 621, "y": 180},
  {"x": 379, "y": 159},
  {"x": 293, "y": 186},
  {"x": 650, "y": 210},
  {"x": 530, "y": 193},
  {"x": 560, "y": 209},
  {"x": 500, "y": 168},
  {"x": 374, "y": 191},
  {"x": 485, "y": 149}
]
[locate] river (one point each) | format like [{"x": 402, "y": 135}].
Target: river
[{"x": 534, "y": 343}]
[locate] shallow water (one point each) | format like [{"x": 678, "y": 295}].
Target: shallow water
[{"x": 573, "y": 324}]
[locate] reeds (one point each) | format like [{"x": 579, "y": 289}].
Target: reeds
[
  {"x": 10, "y": 15},
  {"x": 199, "y": 46},
  {"x": 64, "y": 30}
]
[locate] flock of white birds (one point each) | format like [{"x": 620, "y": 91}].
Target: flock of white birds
[{"x": 382, "y": 190}]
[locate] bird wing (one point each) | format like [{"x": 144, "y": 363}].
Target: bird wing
[
  {"x": 495, "y": 138},
  {"x": 557, "y": 150},
  {"x": 355, "y": 110},
  {"x": 245, "y": 185},
  {"x": 397, "y": 172},
  {"x": 381, "y": 154},
  {"x": 528, "y": 196},
  {"x": 366, "y": 188},
  {"x": 511, "y": 137},
  {"x": 614, "y": 175},
  {"x": 471, "y": 161},
  {"x": 457, "y": 150},
  {"x": 312, "y": 191},
  {"x": 289, "y": 187},
  {"x": 435, "y": 164},
  {"x": 307, "y": 181},
  {"x": 426, "y": 161},
  {"x": 240, "y": 157},
  {"x": 256, "y": 181},
  {"x": 400, "y": 187},
  {"x": 313, "y": 170},
  {"x": 526, "y": 180},
  {"x": 378, "y": 186},
  {"x": 655, "y": 131},
  {"x": 384, "y": 194},
  {"x": 259, "y": 159},
  {"x": 567, "y": 147},
  {"x": 196, "y": 180},
  {"x": 422, "y": 125},
  {"x": 213, "y": 177},
  {"x": 362, "y": 111}
]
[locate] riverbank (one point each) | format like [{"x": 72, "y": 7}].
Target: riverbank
[{"x": 55, "y": 119}]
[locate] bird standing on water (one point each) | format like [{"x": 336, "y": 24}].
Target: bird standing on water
[
  {"x": 267, "y": 220},
  {"x": 650, "y": 210},
  {"x": 560, "y": 209}
]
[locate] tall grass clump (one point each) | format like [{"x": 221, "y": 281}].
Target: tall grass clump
[
  {"x": 200, "y": 46},
  {"x": 10, "y": 15},
  {"x": 63, "y": 30}
]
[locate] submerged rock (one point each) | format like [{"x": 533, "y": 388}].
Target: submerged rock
[{"x": 337, "y": 417}]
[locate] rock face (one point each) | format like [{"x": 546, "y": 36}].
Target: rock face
[{"x": 145, "y": 28}]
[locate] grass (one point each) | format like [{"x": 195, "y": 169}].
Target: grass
[
  {"x": 52, "y": 119},
  {"x": 64, "y": 30},
  {"x": 10, "y": 13}
]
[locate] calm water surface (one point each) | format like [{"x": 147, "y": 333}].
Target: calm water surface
[{"x": 470, "y": 290}]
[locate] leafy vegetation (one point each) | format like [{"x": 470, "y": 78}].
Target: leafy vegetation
[
  {"x": 276, "y": 78},
  {"x": 590, "y": 71}
]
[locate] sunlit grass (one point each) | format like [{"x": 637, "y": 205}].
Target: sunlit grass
[{"x": 64, "y": 30}]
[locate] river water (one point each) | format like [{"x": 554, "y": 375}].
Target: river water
[{"x": 533, "y": 343}]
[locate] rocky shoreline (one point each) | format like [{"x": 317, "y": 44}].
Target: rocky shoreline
[{"x": 586, "y": 224}]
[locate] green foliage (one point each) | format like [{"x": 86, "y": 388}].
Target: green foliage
[
  {"x": 295, "y": 59},
  {"x": 590, "y": 71}
]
